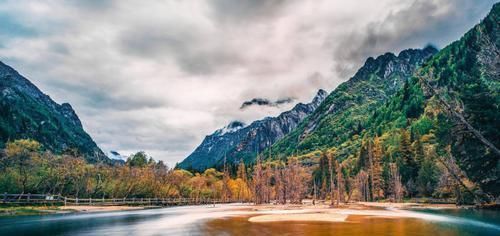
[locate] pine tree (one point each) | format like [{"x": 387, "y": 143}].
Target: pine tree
[
  {"x": 242, "y": 171},
  {"x": 418, "y": 150},
  {"x": 332, "y": 188},
  {"x": 242, "y": 174},
  {"x": 226, "y": 191},
  {"x": 377, "y": 153},
  {"x": 408, "y": 166},
  {"x": 370, "y": 168}
]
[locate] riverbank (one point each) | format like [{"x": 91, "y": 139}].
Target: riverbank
[
  {"x": 30, "y": 210},
  {"x": 45, "y": 210},
  {"x": 289, "y": 212}
]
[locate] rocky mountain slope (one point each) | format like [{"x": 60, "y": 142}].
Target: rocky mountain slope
[
  {"x": 26, "y": 112},
  {"x": 345, "y": 111},
  {"x": 461, "y": 85},
  {"x": 237, "y": 141},
  {"x": 439, "y": 124}
]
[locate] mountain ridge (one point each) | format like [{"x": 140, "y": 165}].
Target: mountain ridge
[
  {"x": 27, "y": 112},
  {"x": 246, "y": 141},
  {"x": 377, "y": 80}
]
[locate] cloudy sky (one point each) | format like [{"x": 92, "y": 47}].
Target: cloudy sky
[{"x": 159, "y": 75}]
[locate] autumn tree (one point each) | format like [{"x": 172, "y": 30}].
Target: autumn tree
[
  {"x": 297, "y": 179},
  {"x": 242, "y": 178},
  {"x": 23, "y": 154},
  {"x": 226, "y": 191},
  {"x": 259, "y": 182},
  {"x": 280, "y": 183}
]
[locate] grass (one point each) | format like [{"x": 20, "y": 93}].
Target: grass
[{"x": 16, "y": 210}]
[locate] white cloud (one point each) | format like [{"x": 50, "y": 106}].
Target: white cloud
[{"x": 160, "y": 76}]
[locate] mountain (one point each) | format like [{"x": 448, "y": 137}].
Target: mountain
[
  {"x": 345, "y": 111},
  {"x": 237, "y": 141},
  {"x": 461, "y": 91},
  {"x": 437, "y": 120},
  {"x": 26, "y": 112}
]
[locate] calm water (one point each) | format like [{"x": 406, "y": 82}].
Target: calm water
[{"x": 223, "y": 220}]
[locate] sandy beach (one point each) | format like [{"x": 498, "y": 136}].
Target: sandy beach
[{"x": 326, "y": 213}]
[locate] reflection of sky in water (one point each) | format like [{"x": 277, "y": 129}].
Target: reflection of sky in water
[{"x": 190, "y": 220}]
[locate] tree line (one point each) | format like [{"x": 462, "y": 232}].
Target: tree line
[{"x": 374, "y": 175}]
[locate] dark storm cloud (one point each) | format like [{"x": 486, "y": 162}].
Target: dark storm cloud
[
  {"x": 422, "y": 21},
  {"x": 265, "y": 102}
]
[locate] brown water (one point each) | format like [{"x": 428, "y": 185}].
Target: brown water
[{"x": 355, "y": 225}]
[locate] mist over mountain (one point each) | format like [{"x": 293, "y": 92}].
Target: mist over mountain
[{"x": 237, "y": 141}]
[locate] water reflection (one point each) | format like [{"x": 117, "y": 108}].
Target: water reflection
[
  {"x": 227, "y": 220},
  {"x": 356, "y": 225}
]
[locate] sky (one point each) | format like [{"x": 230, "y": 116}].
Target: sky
[{"x": 159, "y": 75}]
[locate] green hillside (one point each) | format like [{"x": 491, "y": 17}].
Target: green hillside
[{"x": 443, "y": 122}]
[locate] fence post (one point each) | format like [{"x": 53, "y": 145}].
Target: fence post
[
  {"x": 65, "y": 201},
  {"x": 29, "y": 197},
  {"x": 76, "y": 201},
  {"x": 4, "y": 197},
  {"x": 90, "y": 201}
]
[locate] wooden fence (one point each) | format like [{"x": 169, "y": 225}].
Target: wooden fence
[{"x": 28, "y": 198}]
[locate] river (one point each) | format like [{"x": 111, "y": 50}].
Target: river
[{"x": 232, "y": 219}]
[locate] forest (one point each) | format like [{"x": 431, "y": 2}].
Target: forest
[{"x": 28, "y": 168}]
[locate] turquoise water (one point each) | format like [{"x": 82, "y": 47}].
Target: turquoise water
[
  {"x": 201, "y": 220},
  {"x": 469, "y": 221}
]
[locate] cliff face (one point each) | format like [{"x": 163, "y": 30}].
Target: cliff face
[
  {"x": 26, "y": 112},
  {"x": 237, "y": 141}
]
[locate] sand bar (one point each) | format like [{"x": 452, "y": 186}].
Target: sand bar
[{"x": 322, "y": 217}]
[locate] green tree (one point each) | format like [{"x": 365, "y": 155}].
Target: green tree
[
  {"x": 428, "y": 177},
  {"x": 140, "y": 159},
  {"x": 408, "y": 165}
]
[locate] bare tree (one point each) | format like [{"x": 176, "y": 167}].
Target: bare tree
[
  {"x": 340, "y": 183},
  {"x": 280, "y": 184},
  {"x": 398, "y": 189},
  {"x": 258, "y": 182},
  {"x": 296, "y": 179},
  {"x": 362, "y": 185}
]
